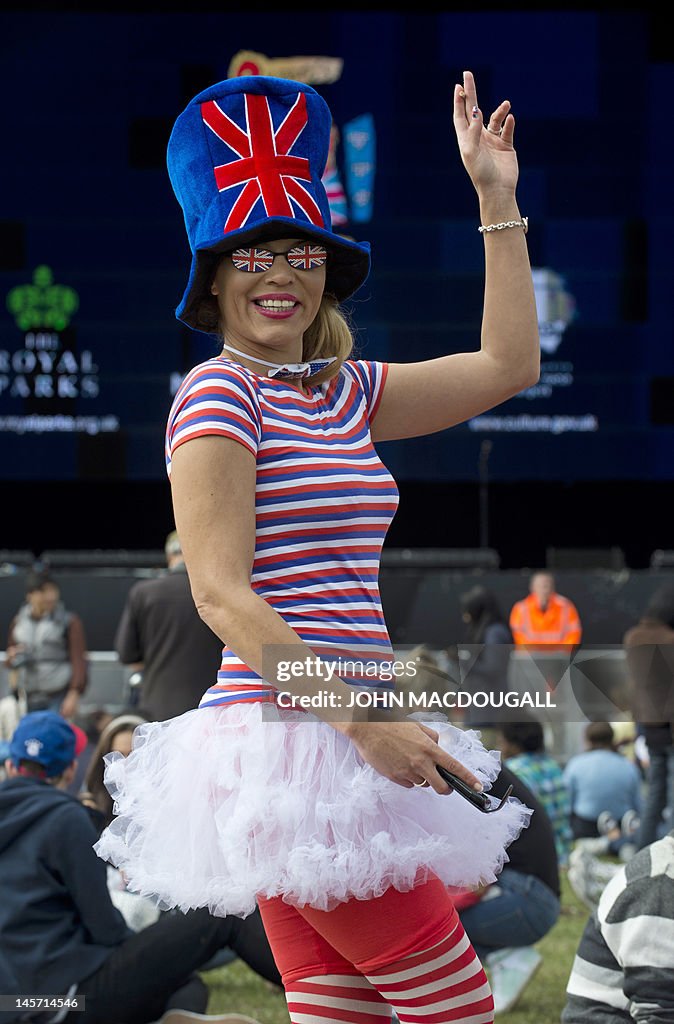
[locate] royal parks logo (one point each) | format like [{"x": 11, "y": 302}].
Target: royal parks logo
[{"x": 47, "y": 364}]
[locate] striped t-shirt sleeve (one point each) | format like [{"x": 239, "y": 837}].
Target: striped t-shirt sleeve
[
  {"x": 624, "y": 967},
  {"x": 214, "y": 398},
  {"x": 371, "y": 377},
  {"x": 638, "y": 927}
]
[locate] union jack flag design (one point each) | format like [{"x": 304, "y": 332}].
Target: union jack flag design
[
  {"x": 307, "y": 257},
  {"x": 252, "y": 259},
  {"x": 264, "y": 168}
]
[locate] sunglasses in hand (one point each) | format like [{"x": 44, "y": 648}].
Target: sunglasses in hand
[{"x": 485, "y": 803}]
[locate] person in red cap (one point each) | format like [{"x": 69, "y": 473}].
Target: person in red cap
[{"x": 280, "y": 789}]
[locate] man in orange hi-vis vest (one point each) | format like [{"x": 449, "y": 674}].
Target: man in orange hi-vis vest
[{"x": 545, "y": 620}]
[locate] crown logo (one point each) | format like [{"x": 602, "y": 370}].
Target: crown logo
[{"x": 42, "y": 304}]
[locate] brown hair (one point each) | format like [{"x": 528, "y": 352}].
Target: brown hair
[
  {"x": 600, "y": 734},
  {"x": 34, "y": 770},
  {"x": 206, "y": 311},
  {"x": 93, "y": 780},
  {"x": 329, "y": 335}
]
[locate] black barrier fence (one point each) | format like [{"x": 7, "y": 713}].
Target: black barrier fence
[{"x": 421, "y": 605}]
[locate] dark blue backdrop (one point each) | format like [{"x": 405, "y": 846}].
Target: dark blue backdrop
[{"x": 88, "y": 104}]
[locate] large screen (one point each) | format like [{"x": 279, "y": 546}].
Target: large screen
[{"x": 94, "y": 257}]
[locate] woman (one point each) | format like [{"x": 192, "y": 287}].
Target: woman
[
  {"x": 282, "y": 504},
  {"x": 116, "y": 737}
]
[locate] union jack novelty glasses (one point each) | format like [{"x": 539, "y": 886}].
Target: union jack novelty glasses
[{"x": 253, "y": 259}]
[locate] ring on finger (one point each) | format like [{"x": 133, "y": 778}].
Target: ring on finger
[
  {"x": 493, "y": 131},
  {"x": 422, "y": 783}
]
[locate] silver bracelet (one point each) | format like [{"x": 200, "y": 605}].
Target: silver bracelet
[{"x": 524, "y": 223}]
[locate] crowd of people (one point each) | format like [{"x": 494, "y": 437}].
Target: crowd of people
[{"x": 593, "y": 811}]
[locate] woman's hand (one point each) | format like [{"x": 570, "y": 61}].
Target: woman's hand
[
  {"x": 407, "y": 753},
  {"x": 487, "y": 149}
]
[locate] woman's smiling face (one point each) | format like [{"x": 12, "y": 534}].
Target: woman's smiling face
[{"x": 271, "y": 308}]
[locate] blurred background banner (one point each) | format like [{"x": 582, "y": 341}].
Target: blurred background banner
[{"x": 360, "y": 164}]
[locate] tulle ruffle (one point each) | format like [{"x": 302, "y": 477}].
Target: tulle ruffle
[{"x": 222, "y": 804}]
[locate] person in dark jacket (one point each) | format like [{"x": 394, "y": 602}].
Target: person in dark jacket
[
  {"x": 59, "y": 931},
  {"x": 503, "y": 920},
  {"x": 522, "y": 745},
  {"x": 161, "y": 635},
  {"x": 488, "y": 644},
  {"x": 649, "y": 654}
]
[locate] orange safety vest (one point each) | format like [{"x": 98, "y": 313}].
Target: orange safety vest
[{"x": 556, "y": 628}]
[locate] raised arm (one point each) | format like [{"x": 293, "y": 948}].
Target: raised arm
[
  {"x": 425, "y": 397},
  {"x": 213, "y": 486}
]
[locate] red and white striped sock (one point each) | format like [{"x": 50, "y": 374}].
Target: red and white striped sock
[
  {"x": 346, "y": 998},
  {"x": 443, "y": 984}
]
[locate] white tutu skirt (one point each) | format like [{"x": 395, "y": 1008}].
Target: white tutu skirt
[{"x": 224, "y": 804}]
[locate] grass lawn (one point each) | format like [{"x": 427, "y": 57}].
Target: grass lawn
[{"x": 236, "y": 989}]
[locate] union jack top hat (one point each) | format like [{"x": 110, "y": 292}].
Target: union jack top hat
[{"x": 245, "y": 159}]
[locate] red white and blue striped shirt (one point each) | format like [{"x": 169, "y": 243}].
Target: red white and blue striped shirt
[{"x": 323, "y": 503}]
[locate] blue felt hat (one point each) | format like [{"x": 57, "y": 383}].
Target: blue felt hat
[
  {"x": 45, "y": 738},
  {"x": 245, "y": 159}
]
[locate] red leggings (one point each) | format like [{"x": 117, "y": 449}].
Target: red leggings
[{"x": 406, "y": 951}]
